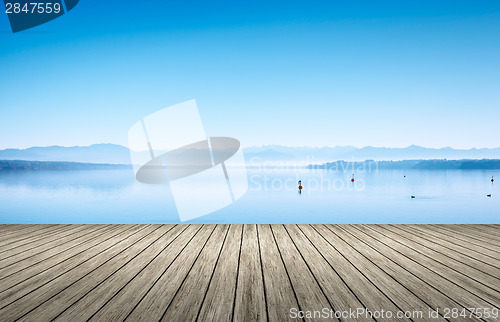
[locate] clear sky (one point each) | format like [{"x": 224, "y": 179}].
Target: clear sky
[{"x": 381, "y": 73}]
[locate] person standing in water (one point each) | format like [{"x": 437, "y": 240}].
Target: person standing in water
[{"x": 300, "y": 186}]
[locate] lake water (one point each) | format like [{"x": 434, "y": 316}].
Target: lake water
[{"x": 382, "y": 196}]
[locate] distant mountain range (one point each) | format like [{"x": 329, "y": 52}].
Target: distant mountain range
[
  {"x": 96, "y": 153},
  {"x": 310, "y": 155},
  {"x": 117, "y": 154}
]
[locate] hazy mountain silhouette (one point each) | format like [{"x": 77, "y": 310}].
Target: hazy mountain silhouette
[
  {"x": 278, "y": 153},
  {"x": 349, "y": 153},
  {"x": 418, "y": 152},
  {"x": 96, "y": 153},
  {"x": 117, "y": 154}
]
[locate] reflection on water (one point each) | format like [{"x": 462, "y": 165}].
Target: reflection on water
[{"x": 383, "y": 196}]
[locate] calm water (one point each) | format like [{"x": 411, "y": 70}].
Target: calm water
[{"x": 381, "y": 196}]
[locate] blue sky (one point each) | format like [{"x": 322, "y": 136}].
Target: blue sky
[{"x": 381, "y": 73}]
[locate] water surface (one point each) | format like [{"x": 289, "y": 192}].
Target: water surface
[{"x": 383, "y": 196}]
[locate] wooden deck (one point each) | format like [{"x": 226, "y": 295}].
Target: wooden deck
[{"x": 249, "y": 272}]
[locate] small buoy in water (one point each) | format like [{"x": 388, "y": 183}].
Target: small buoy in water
[
  {"x": 412, "y": 197},
  {"x": 492, "y": 179},
  {"x": 404, "y": 176},
  {"x": 488, "y": 195}
]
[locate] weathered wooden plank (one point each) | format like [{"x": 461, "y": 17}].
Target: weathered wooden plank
[
  {"x": 489, "y": 240},
  {"x": 26, "y": 279},
  {"x": 18, "y": 309},
  {"x": 330, "y": 270},
  {"x": 471, "y": 231},
  {"x": 42, "y": 244},
  {"x": 430, "y": 295},
  {"x": 29, "y": 233},
  {"x": 69, "y": 294},
  {"x": 219, "y": 299},
  {"x": 309, "y": 294},
  {"x": 37, "y": 252},
  {"x": 419, "y": 267},
  {"x": 444, "y": 251},
  {"x": 26, "y": 231},
  {"x": 470, "y": 242},
  {"x": 13, "y": 230},
  {"x": 449, "y": 270},
  {"x": 121, "y": 304},
  {"x": 97, "y": 295},
  {"x": 449, "y": 242},
  {"x": 280, "y": 296},
  {"x": 248, "y": 272},
  {"x": 33, "y": 238},
  {"x": 12, "y": 227},
  {"x": 376, "y": 288},
  {"x": 186, "y": 304},
  {"x": 250, "y": 302},
  {"x": 154, "y": 303},
  {"x": 489, "y": 229},
  {"x": 448, "y": 262}
]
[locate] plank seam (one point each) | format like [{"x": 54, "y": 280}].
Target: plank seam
[
  {"x": 70, "y": 270},
  {"x": 187, "y": 274},
  {"x": 118, "y": 269},
  {"x": 39, "y": 236},
  {"x": 25, "y": 314},
  {"x": 397, "y": 281},
  {"x": 237, "y": 274},
  {"x": 437, "y": 251},
  {"x": 64, "y": 261},
  {"x": 457, "y": 245},
  {"x": 262, "y": 272},
  {"x": 471, "y": 232},
  {"x": 432, "y": 271},
  {"x": 26, "y": 267},
  {"x": 308, "y": 267},
  {"x": 329, "y": 264},
  {"x": 42, "y": 251},
  {"x": 289, "y": 279},
  {"x": 465, "y": 241},
  {"x": 142, "y": 269},
  {"x": 161, "y": 275},
  {"x": 213, "y": 272},
  {"x": 435, "y": 260},
  {"x": 461, "y": 233}
]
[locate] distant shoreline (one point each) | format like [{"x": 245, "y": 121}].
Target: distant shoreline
[
  {"x": 22, "y": 165},
  {"x": 443, "y": 164},
  {"x": 437, "y": 164}
]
